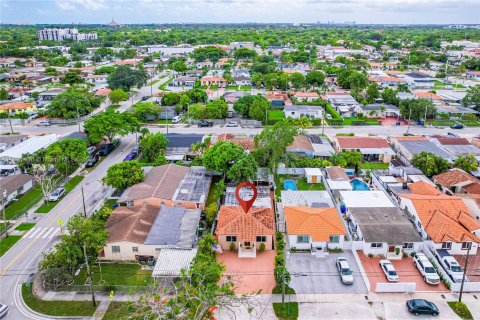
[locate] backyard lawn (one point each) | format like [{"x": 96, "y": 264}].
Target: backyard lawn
[
  {"x": 211, "y": 198},
  {"x": 121, "y": 274},
  {"x": 69, "y": 186},
  {"x": 117, "y": 310},
  {"x": 57, "y": 308},
  {"x": 301, "y": 183},
  {"x": 373, "y": 166},
  {"x": 7, "y": 243},
  {"x": 275, "y": 116},
  {"x": 24, "y": 202}
]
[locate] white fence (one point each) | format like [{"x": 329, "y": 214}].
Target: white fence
[
  {"x": 406, "y": 287},
  {"x": 292, "y": 171},
  {"x": 357, "y": 245}
]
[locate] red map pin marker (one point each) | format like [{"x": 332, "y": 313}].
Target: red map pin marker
[{"x": 246, "y": 204}]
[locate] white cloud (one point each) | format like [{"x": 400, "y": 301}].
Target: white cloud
[{"x": 93, "y": 5}]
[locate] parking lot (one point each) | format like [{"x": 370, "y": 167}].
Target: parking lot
[
  {"x": 407, "y": 272},
  {"x": 319, "y": 275}
]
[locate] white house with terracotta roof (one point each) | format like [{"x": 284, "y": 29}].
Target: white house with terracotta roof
[
  {"x": 247, "y": 231},
  {"x": 443, "y": 219},
  {"x": 373, "y": 149},
  {"x": 316, "y": 229}
]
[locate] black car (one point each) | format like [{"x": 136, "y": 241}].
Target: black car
[
  {"x": 92, "y": 161},
  {"x": 106, "y": 149},
  {"x": 421, "y": 306},
  {"x": 457, "y": 126},
  {"x": 205, "y": 124}
]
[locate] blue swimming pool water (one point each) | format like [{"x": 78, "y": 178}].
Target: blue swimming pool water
[
  {"x": 359, "y": 185},
  {"x": 289, "y": 185}
]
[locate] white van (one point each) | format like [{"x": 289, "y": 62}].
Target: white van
[
  {"x": 176, "y": 119},
  {"x": 44, "y": 123}
]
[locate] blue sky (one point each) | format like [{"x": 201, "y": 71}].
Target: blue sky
[{"x": 215, "y": 11}]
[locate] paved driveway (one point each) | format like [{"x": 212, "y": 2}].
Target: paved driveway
[
  {"x": 319, "y": 275},
  {"x": 398, "y": 310}
]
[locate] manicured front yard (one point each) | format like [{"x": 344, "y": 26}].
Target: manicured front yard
[
  {"x": 57, "y": 308},
  {"x": 24, "y": 202},
  {"x": 356, "y": 121},
  {"x": 117, "y": 310},
  {"x": 275, "y": 116},
  {"x": 7, "y": 243},
  {"x": 121, "y": 274},
  {"x": 163, "y": 121},
  {"x": 25, "y": 226},
  {"x": 441, "y": 123},
  {"x": 287, "y": 311},
  {"x": 69, "y": 186},
  {"x": 440, "y": 84},
  {"x": 470, "y": 123}
]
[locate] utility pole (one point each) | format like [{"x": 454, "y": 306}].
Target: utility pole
[
  {"x": 409, "y": 116},
  {"x": 323, "y": 121},
  {"x": 283, "y": 286},
  {"x": 10, "y": 120},
  {"x": 78, "y": 120},
  {"x": 4, "y": 203},
  {"x": 464, "y": 272},
  {"x": 84, "y": 207},
  {"x": 89, "y": 274},
  {"x": 425, "y": 121}
]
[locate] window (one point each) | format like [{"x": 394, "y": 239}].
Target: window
[
  {"x": 334, "y": 239},
  {"x": 135, "y": 249},
  {"x": 447, "y": 245},
  {"x": 419, "y": 224},
  {"x": 261, "y": 238},
  {"x": 115, "y": 249},
  {"x": 303, "y": 239},
  {"x": 376, "y": 245},
  {"x": 466, "y": 245},
  {"x": 407, "y": 245},
  {"x": 231, "y": 238}
]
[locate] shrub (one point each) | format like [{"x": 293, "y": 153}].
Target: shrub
[
  {"x": 232, "y": 247},
  {"x": 370, "y": 255},
  {"x": 293, "y": 249},
  {"x": 261, "y": 248},
  {"x": 405, "y": 255},
  {"x": 397, "y": 251},
  {"x": 211, "y": 212}
]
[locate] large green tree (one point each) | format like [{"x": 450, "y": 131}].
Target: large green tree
[
  {"x": 124, "y": 174},
  {"x": 144, "y": 110},
  {"x": 429, "y": 163},
  {"x": 153, "y": 146},
  {"x": 417, "y": 108},
  {"x": 124, "y": 77},
  {"x": 110, "y": 123},
  {"x": 315, "y": 78},
  {"x": 67, "y": 154},
  {"x": 217, "y": 109},
  {"x": 72, "y": 77},
  {"x": 117, "y": 95},
  {"x": 222, "y": 156},
  {"x": 467, "y": 163},
  {"x": 472, "y": 98},
  {"x": 243, "y": 169},
  {"x": 71, "y": 104}
]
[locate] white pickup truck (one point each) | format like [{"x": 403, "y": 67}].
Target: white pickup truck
[
  {"x": 426, "y": 268},
  {"x": 450, "y": 264}
]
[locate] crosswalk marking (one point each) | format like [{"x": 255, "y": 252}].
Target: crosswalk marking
[{"x": 43, "y": 233}]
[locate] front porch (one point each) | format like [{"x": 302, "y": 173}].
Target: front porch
[{"x": 247, "y": 249}]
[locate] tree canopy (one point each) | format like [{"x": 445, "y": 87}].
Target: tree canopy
[
  {"x": 153, "y": 147},
  {"x": 417, "y": 107},
  {"x": 124, "y": 77},
  {"x": 472, "y": 98},
  {"x": 429, "y": 163},
  {"x": 467, "y": 163},
  {"x": 67, "y": 154},
  {"x": 71, "y": 104},
  {"x": 110, "y": 123},
  {"x": 124, "y": 174},
  {"x": 222, "y": 156}
]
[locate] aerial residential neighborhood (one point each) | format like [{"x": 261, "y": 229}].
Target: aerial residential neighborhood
[{"x": 200, "y": 166}]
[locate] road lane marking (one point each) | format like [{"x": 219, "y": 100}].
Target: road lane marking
[{"x": 48, "y": 233}]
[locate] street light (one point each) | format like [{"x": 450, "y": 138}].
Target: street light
[{"x": 464, "y": 272}]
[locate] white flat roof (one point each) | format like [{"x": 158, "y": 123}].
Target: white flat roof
[
  {"x": 388, "y": 179},
  {"x": 420, "y": 177},
  {"x": 29, "y": 146},
  {"x": 339, "y": 184},
  {"x": 366, "y": 199},
  {"x": 171, "y": 261},
  {"x": 313, "y": 172}
]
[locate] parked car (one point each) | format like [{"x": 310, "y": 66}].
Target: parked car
[
  {"x": 92, "y": 161},
  {"x": 457, "y": 126},
  {"x": 346, "y": 274},
  {"x": 44, "y": 123},
  {"x": 450, "y": 264},
  {"x": 91, "y": 149},
  {"x": 130, "y": 156},
  {"x": 3, "y": 310},
  {"x": 107, "y": 148},
  {"x": 232, "y": 124},
  {"x": 176, "y": 119},
  {"x": 205, "y": 124},
  {"x": 421, "y": 306},
  {"x": 136, "y": 149},
  {"x": 389, "y": 270},
  {"x": 426, "y": 268},
  {"x": 57, "y": 194},
  {"x": 145, "y": 98}
]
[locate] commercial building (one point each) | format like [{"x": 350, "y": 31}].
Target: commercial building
[{"x": 56, "y": 34}]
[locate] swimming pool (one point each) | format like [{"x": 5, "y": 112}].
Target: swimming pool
[
  {"x": 359, "y": 185},
  {"x": 289, "y": 185}
]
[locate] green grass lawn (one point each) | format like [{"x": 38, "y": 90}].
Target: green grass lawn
[
  {"x": 213, "y": 190},
  {"x": 368, "y": 122},
  {"x": 57, "y": 308},
  {"x": 235, "y": 88},
  {"x": 440, "y": 122},
  {"x": 154, "y": 82},
  {"x": 117, "y": 311},
  {"x": 2, "y": 227},
  {"x": 7, "y": 243},
  {"x": 121, "y": 274},
  {"x": 470, "y": 123},
  {"x": 461, "y": 310},
  {"x": 24, "y": 202},
  {"x": 163, "y": 86},
  {"x": 300, "y": 181},
  {"x": 440, "y": 84},
  {"x": 68, "y": 187},
  {"x": 287, "y": 311},
  {"x": 163, "y": 121},
  {"x": 25, "y": 226},
  {"x": 245, "y": 88},
  {"x": 373, "y": 165}
]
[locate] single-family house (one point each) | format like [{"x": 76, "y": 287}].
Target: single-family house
[
  {"x": 418, "y": 80},
  {"x": 204, "y": 64},
  {"x": 14, "y": 108},
  {"x": 97, "y": 79},
  {"x": 13, "y": 186},
  {"x": 305, "y": 96},
  {"x": 408, "y": 147},
  {"x": 380, "y": 110},
  {"x": 31, "y": 145},
  {"x": 456, "y": 146},
  {"x": 475, "y": 75},
  {"x": 278, "y": 99},
  {"x": 373, "y": 149},
  {"x": 242, "y": 81},
  {"x": 171, "y": 185},
  {"x": 444, "y": 220},
  {"x": 50, "y": 94},
  {"x": 247, "y": 231},
  {"x": 179, "y": 146},
  {"x": 383, "y": 229},
  {"x": 183, "y": 81},
  {"x": 309, "y": 198},
  {"x": 245, "y": 141},
  {"x": 6, "y": 142},
  {"x": 301, "y": 146},
  {"x": 316, "y": 229},
  {"x": 143, "y": 231},
  {"x": 231, "y": 97},
  {"x": 296, "y": 112},
  {"x": 385, "y": 81},
  {"x": 343, "y": 102},
  {"x": 457, "y": 181},
  {"x": 213, "y": 81}
]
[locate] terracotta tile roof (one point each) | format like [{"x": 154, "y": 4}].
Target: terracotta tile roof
[
  {"x": 246, "y": 143},
  {"x": 440, "y": 227},
  {"x": 410, "y": 138},
  {"x": 424, "y": 188},
  {"x": 449, "y": 141},
  {"x": 319, "y": 223},
  {"x": 427, "y": 95},
  {"x": 362, "y": 142},
  {"x": 454, "y": 177},
  {"x": 473, "y": 188},
  {"x": 161, "y": 182},
  {"x": 305, "y": 94},
  {"x": 301, "y": 142},
  {"x": 126, "y": 62},
  {"x": 212, "y": 78},
  {"x": 19, "y": 90},
  {"x": 103, "y": 92},
  {"x": 246, "y": 226},
  {"x": 131, "y": 223},
  {"x": 16, "y": 105},
  {"x": 337, "y": 173}
]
